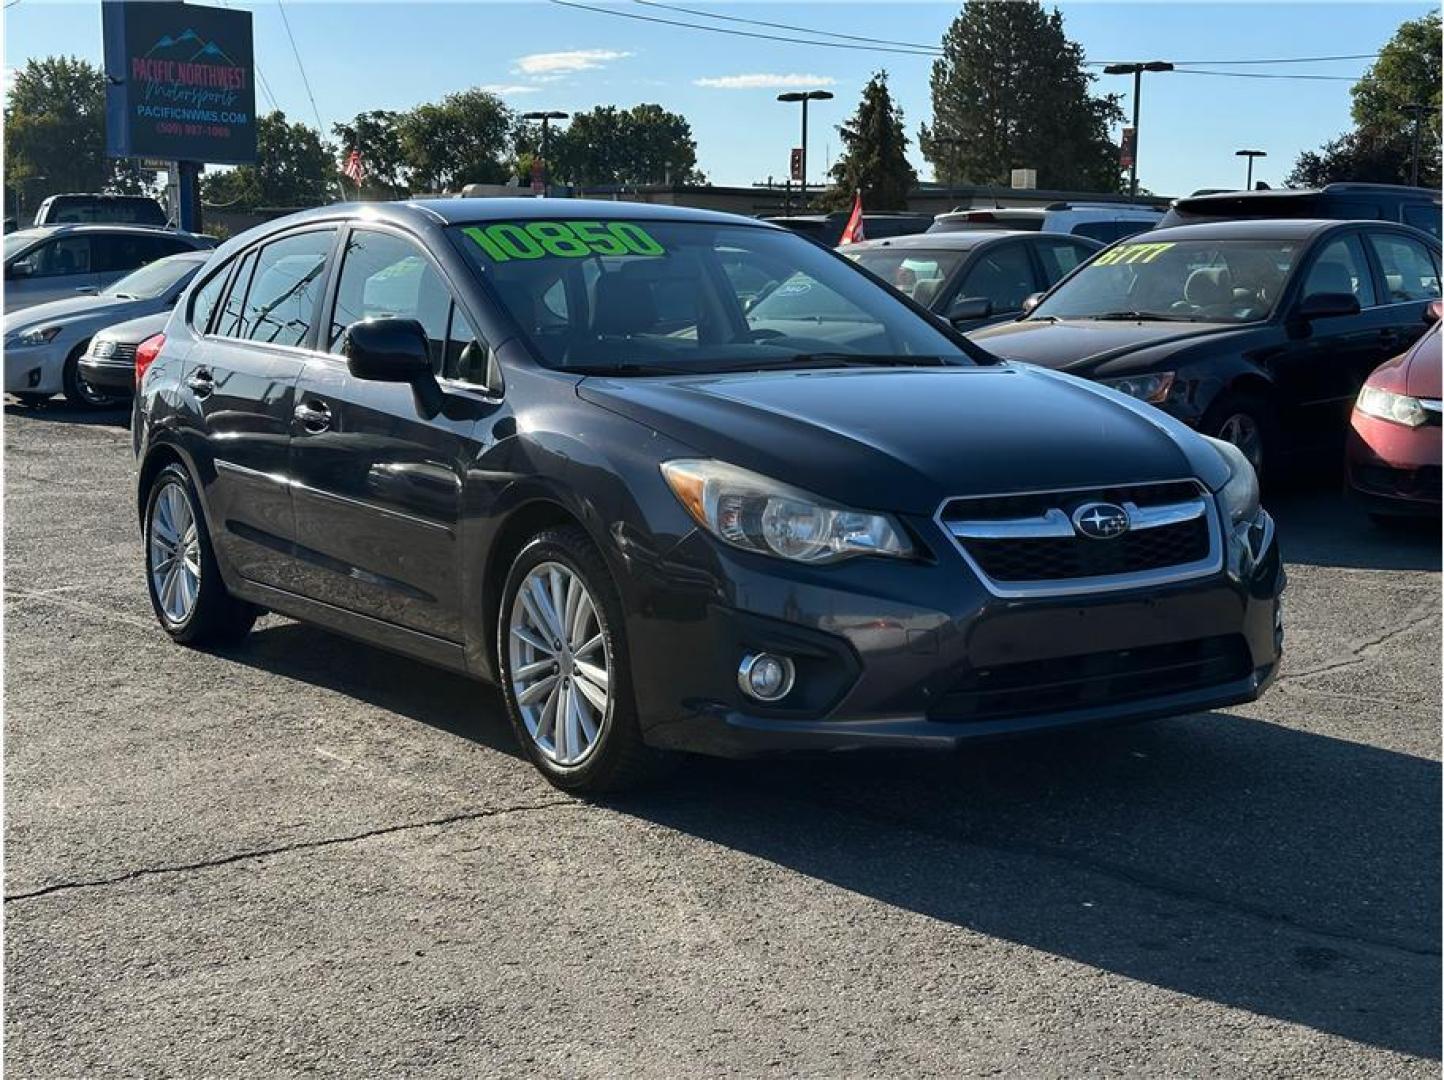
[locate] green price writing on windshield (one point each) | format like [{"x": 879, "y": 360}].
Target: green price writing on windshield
[
  {"x": 1131, "y": 253},
  {"x": 562, "y": 239}
]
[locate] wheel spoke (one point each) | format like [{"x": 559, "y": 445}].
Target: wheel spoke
[
  {"x": 594, "y": 694},
  {"x": 584, "y": 717},
  {"x": 594, "y": 674},
  {"x": 573, "y": 725},
  {"x": 535, "y": 690},
  {"x": 579, "y": 620},
  {"x": 588, "y": 645},
  {"x": 562, "y": 724},
  {"x": 538, "y": 607},
  {"x": 546, "y": 723},
  {"x": 533, "y": 639},
  {"x": 535, "y": 668}
]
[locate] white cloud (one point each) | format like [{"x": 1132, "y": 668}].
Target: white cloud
[
  {"x": 507, "y": 89},
  {"x": 766, "y": 82},
  {"x": 565, "y": 62}
]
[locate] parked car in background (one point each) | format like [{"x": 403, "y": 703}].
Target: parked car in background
[
  {"x": 58, "y": 261},
  {"x": 92, "y": 209},
  {"x": 44, "y": 343},
  {"x": 1418, "y": 207},
  {"x": 826, "y": 229},
  {"x": 1394, "y": 434},
  {"x": 976, "y": 278},
  {"x": 1104, "y": 222},
  {"x": 109, "y": 362},
  {"x": 1259, "y": 333},
  {"x": 545, "y": 443}
]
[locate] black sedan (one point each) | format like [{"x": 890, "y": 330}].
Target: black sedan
[
  {"x": 1256, "y": 332},
  {"x": 973, "y": 279},
  {"x": 546, "y": 443}
]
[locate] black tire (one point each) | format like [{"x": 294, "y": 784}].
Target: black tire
[
  {"x": 32, "y": 401},
  {"x": 1231, "y": 407},
  {"x": 78, "y": 392},
  {"x": 216, "y": 617},
  {"x": 619, "y": 759}
]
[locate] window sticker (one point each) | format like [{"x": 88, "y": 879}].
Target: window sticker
[
  {"x": 508, "y": 240},
  {"x": 1131, "y": 253}
]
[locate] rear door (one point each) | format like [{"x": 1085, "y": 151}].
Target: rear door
[
  {"x": 242, "y": 381},
  {"x": 379, "y": 475},
  {"x": 119, "y": 253},
  {"x": 1059, "y": 256}
]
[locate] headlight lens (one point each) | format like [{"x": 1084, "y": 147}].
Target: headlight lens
[
  {"x": 1150, "y": 388},
  {"x": 756, "y": 513},
  {"x": 1239, "y": 496},
  {"x": 40, "y": 335},
  {"x": 1387, "y": 405}
]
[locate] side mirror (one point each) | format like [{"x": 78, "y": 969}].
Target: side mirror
[
  {"x": 967, "y": 308},
  {"x": 387, "y": 350},
  {"x": 1031, "y": 301},
  {"x": 1327, "y": 305},
  {"x": 1432, "y": 311},
  {"x": 20, "y": 268}
]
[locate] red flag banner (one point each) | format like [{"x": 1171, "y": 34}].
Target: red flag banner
[{"x": 852, "y": 233}]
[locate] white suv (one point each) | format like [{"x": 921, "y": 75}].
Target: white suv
[{"x": 1104, "y": 222}]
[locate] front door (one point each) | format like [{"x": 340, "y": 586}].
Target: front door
[{"x": 379, "y": 473}]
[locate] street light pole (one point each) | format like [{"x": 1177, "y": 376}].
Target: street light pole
[
  {"x": 1136, "y": 70},
  {"x": 1250, "y": 154},
  {"x": 1417, "y": 111},
  {"x": 546, "y": 119},
  {"x": 810, "y": 95}
]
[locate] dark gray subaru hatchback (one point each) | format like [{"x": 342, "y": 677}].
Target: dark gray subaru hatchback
[{"x": 551, "y": 444}]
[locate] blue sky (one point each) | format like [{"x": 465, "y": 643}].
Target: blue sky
[{"x": 537, "y": 55}]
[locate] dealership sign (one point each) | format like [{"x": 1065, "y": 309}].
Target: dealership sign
[{"x": 179, "y": 82}]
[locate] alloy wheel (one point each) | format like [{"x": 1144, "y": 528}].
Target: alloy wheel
[
  {"x": 1243, "y": 431},
  {"x": 174, "y": 553},
  {"x": 561, "y": 664}
]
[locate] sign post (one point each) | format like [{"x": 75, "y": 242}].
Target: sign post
[{"x": 180, "y": 85}]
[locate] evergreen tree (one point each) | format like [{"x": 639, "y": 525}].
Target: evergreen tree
[
  {"x": 1010, "y": 91},
  {"x": 874, "y": 159}
]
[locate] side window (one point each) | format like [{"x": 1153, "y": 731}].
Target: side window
[
  {"x": 1411, "y": 271},
  {"x": 60, "y": 258},
  {"x": 1004, "y": 275},
  {"x": 1341, "y": 268},
  {"x": 1423, "y": 216},
  {"x": 281, "y": 303},
  {"x": 1059, "y": 257},
  {"x": 230, "y": 323},
  {"x": 204, "y": 301},
  {"x": 466, "y": 354},
  {"x": 384, "y": 276},
  {"x": 122, "y": 252}
]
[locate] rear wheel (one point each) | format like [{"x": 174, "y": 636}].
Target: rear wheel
[
  {"x": 565, "y": 670},
  {"x": 79, "y": 392},
  {"x": 186, "y": 590}
]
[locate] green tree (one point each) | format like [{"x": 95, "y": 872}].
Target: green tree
[
  {"x": 463, "y": 139},
  {"x": 1010, "y": 91},
  {"x": 645, "y": 144},
  {"x": 874, "y": 159},
  {"x": 1380, "y": 148},
  {"x": 294, "y": 167},
  {"x": 55, "y": 133},
  {"x": 377, "y": 135}
]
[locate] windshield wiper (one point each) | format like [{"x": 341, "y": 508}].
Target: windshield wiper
[
  {"x": 123, "y": 296},
  {"x": 842, "y": 359},
  {"x": 632, "y": 368},
  {"x": 1136, "y": 316}
]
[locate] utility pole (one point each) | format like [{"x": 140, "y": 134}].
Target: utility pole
[
  {"x": 1417, "y": 111},
  {"x": 1250, "y": 154},
  {"x": 546, "y": 119},
  {"x": 804, "y": 97},
  {"x": 1136, "y": 70}
]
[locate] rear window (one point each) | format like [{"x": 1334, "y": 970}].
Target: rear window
[
  {"x": 88, "y": 210},
  {"x": 1422, "y": 216}
]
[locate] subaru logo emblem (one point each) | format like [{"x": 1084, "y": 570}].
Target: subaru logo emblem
[{"x": 1100, "y": 520}]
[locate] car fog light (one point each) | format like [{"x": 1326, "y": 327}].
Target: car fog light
[{"x": 766, "y": 677}]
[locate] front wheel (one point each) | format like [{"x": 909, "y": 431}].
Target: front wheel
[
  {"x": 564, "y": 667},
  {"x": 78, "y": 392},
  {"x": 186, "y": 590},
  {"x": 1246, "y": 421}
]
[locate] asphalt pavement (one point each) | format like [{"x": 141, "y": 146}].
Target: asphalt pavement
[{"x": 304, "y": 856}]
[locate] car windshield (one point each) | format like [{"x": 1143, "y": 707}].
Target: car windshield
[
  {"x": 648, "y": 297},
  {"x": 1216, "y": 281},
  {"x": 920, "y": 274},
  {"x": 153, "y": 280},
  {"x": 19, "y": 241}
]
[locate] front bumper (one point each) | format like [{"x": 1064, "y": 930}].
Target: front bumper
[
  {"x": 35, "y": 369},
  {"x": 1394, "y": 469},
  {"x": 115, "y": 377},
  {"x": 920, "y": 654}
]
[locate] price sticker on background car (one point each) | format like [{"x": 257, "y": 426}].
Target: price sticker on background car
[
  {"x": 509, "y": 240},
  {"x": 1131, "y": 253}
]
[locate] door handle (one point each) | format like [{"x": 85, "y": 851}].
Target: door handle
[
  {"x": 202, "y": 382},
  {"x": 314, "y": 416}
]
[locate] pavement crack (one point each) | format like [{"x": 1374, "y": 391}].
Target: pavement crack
[
  {"x": 282, "y": 849},
  {"x": 1361, "y": 651}
]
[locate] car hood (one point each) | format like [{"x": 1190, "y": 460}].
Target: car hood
[
  {"x": 1422, "y": 368},
  {"x": 905, "y": 439},
  {"x": 1079, "y": 346},
  {"x": 134, "y": 331},
  {"x": 87, "y": 309}
]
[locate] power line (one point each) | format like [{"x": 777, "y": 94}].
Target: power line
[
  {"x": 1264, "y": 75},
  {"x": 320, "y": 127},
  {"x": 932, "y": 50},
  {"x": 260, "y": 75},
  {"x": 1287, "y": 60}
]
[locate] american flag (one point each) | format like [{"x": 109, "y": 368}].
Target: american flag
[{"x": 354, "y": 167}]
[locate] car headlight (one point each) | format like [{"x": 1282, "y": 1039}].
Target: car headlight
[
  {"x": 40, "y": 335},
  {"x": 1150, "y": 388},
  {"x": 1387, "y": 405},
  {"x": 758, "y": 514},
  {"x": 1239, "y": 496}
]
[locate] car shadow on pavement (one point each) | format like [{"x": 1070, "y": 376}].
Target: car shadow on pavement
[
  {"x": 1289, "y": 874},
  {"x": 1320, "y": 526},
  {"x": 58, "y": 411}
]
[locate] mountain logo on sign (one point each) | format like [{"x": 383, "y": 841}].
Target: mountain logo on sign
[{"x": 189, "y": 46}]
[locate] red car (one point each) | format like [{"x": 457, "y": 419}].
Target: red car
[{"x": 1394, "y": 441}]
